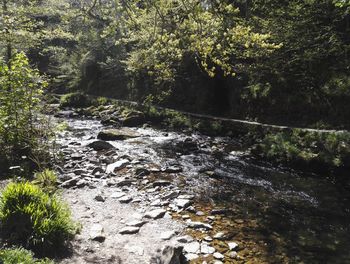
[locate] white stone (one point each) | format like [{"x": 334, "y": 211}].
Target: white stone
[
  {"x": 117, "y": 195},
  {"x": 182, "y": 203},
  {"x": 206, "y": 249},
  {"x": 191, "y": 256},
  {"x": 219, "y": 235},
  {"x": 218, "y": 255},
  {"x": 200, "y": 225},
  {"x": 232, "y": 245},
  {"x": 96, "y": 232},
  {"x": 192, "y": 247},
  {"x": 117, "y": 165}
]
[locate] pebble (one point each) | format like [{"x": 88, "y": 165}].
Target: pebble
[
  {"x": 136, "y": 223},
  {"x": 182, "y": 203},
  {"x": 219, "y": 235},
  {"x": 198, "y": 225},
  {"x": 117, "y": 195},
  {"x": 208, "y": 238},
  {"x": 125, "y": 199},
  {"x": 233, "y": 254},
  {"x": 191, "y": 256}
]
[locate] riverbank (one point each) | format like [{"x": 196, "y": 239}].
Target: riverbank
[{"x": 313, "y": 150}]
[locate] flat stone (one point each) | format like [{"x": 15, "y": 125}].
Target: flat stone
[
  {"x": 96, "y": 233},
  {"x": 191, "y": 256},
  {"x": 206, "y": 249},
  {"x": 125, "y": 199},
  {"x": 182, "y": 203},
  {"x": 121, "y": 164},
  {"x": 198, "y": 225},
  {"x": 161, "y": 183},
  {"x": 218, "y": 255},
  {"x": 171, "y": 195},
  {"x": 208, "y": 238},
  {"x": 136, "y": 223},
  {"x": 117, "y": 195},
  {"x": 117, "y": 134},
  {"x": 167, "y": 235},
  {"x": 129, "y": 230},
  {"x": 192, "y": 247},
  {"x": 219, "y": 235},
  {"x": 185, "y": 239},
  {"x": 232, "y": 245},
  {"x": 172, "y": 169},
  {"x": 155, "y": 214}
]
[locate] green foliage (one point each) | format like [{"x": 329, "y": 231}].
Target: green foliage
[
  {"x": 34, "y": 219},
  {"x": 46, "y": 180},
  {"x": 20, "y": 256},
  {"x": 20, "y": 93},
  {"x": 76, "y": 99},
  {"x": 330, "y": 149}
]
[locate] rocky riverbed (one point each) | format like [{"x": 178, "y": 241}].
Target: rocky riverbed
[{"x": 145, "y": 195}]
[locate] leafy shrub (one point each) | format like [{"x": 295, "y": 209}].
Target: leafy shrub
[
  {"x": 47, "y": 180},
  {"x": 20, "y": 94},
  {"x": 20, "y": 255},
  {"x": 330, "y": 149},
  {"x": 31, "y": 218},
  {"x": 77, "y": 99}
]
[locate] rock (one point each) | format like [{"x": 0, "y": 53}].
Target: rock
[
  {"x": 97, "y": 170},
  {"x": 167, "y": 235},
  {"x": 96, "y": 233},
  {"x": 126, "y": 182},
  {"x": 191, "y": 256},
  {"x": 125, "y": 199},
  {"x": 100, "y": 145},
  {"x": 169, "y": 255},
  {"x": 155, "y": 214},
  {"x": 99, "y": 198},
  {"x": 117, "y": 166},
  {"x": 232, "y": 245},
  {"x": 233, "y": 254},
  {"x": 141, "y": 172},
  {"x": 220, "y": 211},
  {"x": 133, "y": 118},
  {"x": 70, "y": 183},
  {"x": 198, "y": 225},
  {"x": 206, "y": 249},
  {"x": 129, "y": 230},
  {"x": 76, "y": 156},
  {"x": 185, "y": 239},
  {"x": 208, "y": 238},
  {"x": 117, "y": 134},
  {"x": 117, "y": 195},
  {"x": 185, "y": 217},
  {"x": 200, "y": 213},
  {"x": 219, "y": 236},
  {"x": 161, "y": 183},
  {"x": 171, "y": 195},
  {"x": 218, "y": 262},
  {"x": 136, "y": 223},
  {"x": 218, "y": 255},
  {"x": 172, "y": 169},
  {"x": 182, "y": 203},
  {"x": 192, "y": 247}
]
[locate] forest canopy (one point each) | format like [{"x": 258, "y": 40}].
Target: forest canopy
[{"x": 269, "y": 60}]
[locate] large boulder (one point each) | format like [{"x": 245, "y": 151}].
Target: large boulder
[
  {"x": 133, "y": 118},
  {"x": 117, "y": 134}
]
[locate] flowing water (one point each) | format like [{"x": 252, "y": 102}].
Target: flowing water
[{"x": 293, "y": 217}]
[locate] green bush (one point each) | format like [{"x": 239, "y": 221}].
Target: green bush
[
  {"x": 330, "y": 149},
  {"x": 32, "y": 218},
  {"x": 47, "y": 180},
  {"x": 77, "y": 99},
  {"x": 20, "y": 255}
]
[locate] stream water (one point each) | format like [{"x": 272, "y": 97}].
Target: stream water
[{"x": 291, "y": 217}]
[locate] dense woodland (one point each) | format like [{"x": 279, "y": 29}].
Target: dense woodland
[
  {"x": 283, "y": 62},
  {"x": 279, "y": 62}
]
